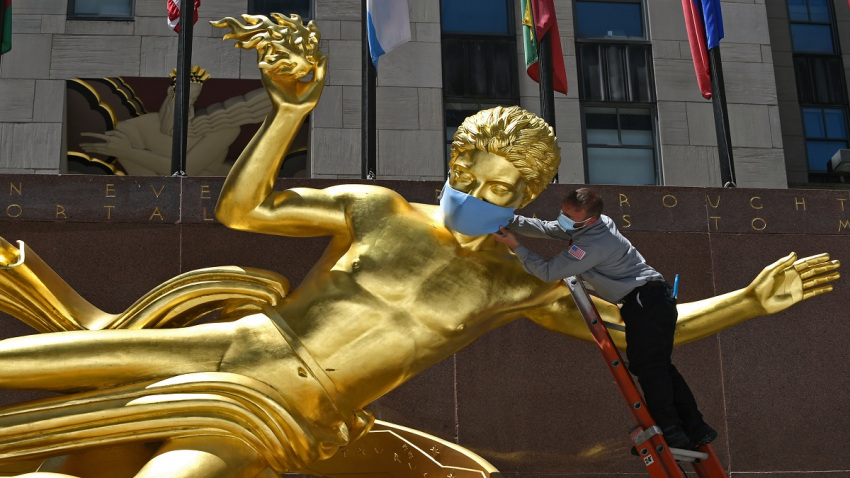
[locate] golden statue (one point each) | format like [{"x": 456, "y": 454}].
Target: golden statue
[{"x": 280, "y": 382}]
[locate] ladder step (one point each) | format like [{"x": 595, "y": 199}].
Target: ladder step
[{"x": 688, "y": 455}]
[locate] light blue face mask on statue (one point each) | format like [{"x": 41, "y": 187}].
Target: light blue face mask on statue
[{"x": 471, "y": 216}]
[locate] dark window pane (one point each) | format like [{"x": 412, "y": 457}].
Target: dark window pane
[
  {"x": 820, "y": 80},
  {"x": 636, "y": 125},
  {"x": 454, "y": 67},
  {"x": 640, "y": 79},
  {"x": 103, "y": 8},
  {"x": 592, "y": 83},
  {"x": 835, "y": 124},
  {"x": 806, "y": 38},
  {"x": 601, "y": 126},
  {"x": 615, "y": 72},
  {"x": 284, "y": 7},
  {"x": 479, "y": 67},
  {"x": 503, "y": 70},
  {"x": 820, "y": 152},
  {"x": 608, "y": 19},
  {"x": 798, "y": 10},
  {"x": 819, "y": 11},
  {"x": 616, "y": 76},
  {"x": 813, "y": 123},
  {"x": 489, "y": 17}
]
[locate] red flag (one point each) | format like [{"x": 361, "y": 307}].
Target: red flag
[
  {"x": 543, "y": 14},
  {"x": 699, "y": 49},
  {"x": 174, "y": 14}
]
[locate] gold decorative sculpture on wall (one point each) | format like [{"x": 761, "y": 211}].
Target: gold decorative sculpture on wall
[
  {"x": 281, "y": 381},
  {"x": 142, "y": 144}
]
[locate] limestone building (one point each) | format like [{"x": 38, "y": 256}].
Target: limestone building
[{"x": 633, "y": 114}]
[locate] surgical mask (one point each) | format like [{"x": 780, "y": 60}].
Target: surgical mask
[
  {"x": 568, "y": 224},
  {"x": 471, "y": 216}
]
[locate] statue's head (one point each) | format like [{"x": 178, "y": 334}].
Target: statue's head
[{"x": 523, "y": 139}]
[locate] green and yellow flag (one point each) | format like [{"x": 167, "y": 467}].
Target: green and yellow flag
[
  {"x": 538, "y": 19},
  {"x": 5, "y": 26}
]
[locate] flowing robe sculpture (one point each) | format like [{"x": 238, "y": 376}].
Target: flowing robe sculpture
[{"x": 282, "y": 379}]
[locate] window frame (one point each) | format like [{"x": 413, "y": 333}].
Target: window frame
[
  {"x": 655, "y": 147},
  {"x": 823, "y": 175},
  {"x": 829, "y": 23}
]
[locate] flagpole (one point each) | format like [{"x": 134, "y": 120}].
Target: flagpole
[
  {"x": 721, "y": 119},
  {"x": 2, "y": 24},
  {"x": 180, "y": 134},
  {"x": 369, "y": 80},
  {"x": 547, "y": 82}
]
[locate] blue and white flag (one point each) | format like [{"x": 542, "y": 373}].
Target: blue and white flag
[{"x": 389, "y": 26}]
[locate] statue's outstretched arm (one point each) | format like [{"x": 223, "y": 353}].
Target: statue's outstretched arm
[
  {"x": 779, "y": 286},
  {"x": 292, "y": 70}
]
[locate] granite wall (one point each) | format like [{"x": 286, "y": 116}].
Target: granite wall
[{"x": 532, "y": 402}]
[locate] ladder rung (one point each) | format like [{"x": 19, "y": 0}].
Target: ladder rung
[{"x": 688, "y": 455}]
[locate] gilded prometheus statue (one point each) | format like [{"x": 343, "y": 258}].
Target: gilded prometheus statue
[{"x": 282, "y": 380}]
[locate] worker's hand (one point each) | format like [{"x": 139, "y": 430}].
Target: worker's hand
[
  {"x": 788, "y": 281},
  {"x": 506, "y": 237}
]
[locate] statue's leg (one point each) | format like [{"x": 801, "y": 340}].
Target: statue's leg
[
  {"x": 207, "y": 456},
  {"x": 82, "y": 360}
]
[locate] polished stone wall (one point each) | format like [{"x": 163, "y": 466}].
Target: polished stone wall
[{"x": 532, "y": 402}]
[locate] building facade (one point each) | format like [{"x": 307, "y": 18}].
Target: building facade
[{"x": 633, "y": 113}]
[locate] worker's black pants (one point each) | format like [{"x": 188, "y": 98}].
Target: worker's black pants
[{"x": 649, "y": 313}]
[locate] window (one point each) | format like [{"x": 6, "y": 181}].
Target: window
[
  {"x": 821, "y": 86},
  {"x": 615, "y": 72},
  {"x": 826, "y": 133},
  {"x": 820, "y": 80},
  {"x": 302, "y": 8},
  {"x": 609, "y": 19},
  {"x": 617, "y": 92},
  {"x": 811, "y": 26},
  {"x": 101, "y": 9},
  {"x": 620, "y": 144},
  {"x": 479, "y": 59}
]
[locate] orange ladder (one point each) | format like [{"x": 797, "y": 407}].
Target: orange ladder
[{"x": 660, "y": 460}]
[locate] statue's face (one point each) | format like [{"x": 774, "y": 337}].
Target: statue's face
[{"x": 488, "y": 177}]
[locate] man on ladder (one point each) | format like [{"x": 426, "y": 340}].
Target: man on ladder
[{"x": 618, "y": 273}]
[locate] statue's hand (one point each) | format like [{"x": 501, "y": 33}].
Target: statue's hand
[
  {"x": 788, "y": 281},
  {"x": 114, "y": 143},
  {"x": 291, "y": 66}
]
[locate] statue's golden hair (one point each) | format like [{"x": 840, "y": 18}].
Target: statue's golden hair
[{"x": 521, "y": 137}]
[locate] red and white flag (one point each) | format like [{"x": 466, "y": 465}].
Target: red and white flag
[{"x": 174, "y": 14}]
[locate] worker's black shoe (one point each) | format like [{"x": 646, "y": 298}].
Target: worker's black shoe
[
  {"x": 676, "y": 437},
  {"x": 701, "y": 434}
]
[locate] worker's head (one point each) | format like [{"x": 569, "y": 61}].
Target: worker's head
[
  {"x": 580, "y": 208},
  {"x": 504, "y": 155}
]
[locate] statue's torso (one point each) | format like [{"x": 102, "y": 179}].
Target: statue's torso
[{"x": 401, "y": 296}]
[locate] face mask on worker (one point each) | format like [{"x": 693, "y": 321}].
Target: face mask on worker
[
  {"x": 568, "y": 224},
  {"x": 471, "y": 216}
]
